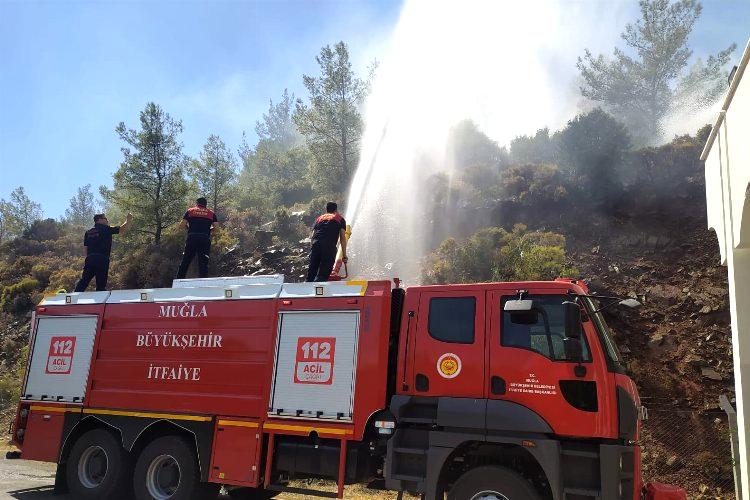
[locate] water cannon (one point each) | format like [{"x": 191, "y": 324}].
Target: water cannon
[{"x": 335, "y": 275}]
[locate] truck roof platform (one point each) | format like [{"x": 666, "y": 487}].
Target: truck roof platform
[{"x": 209, "y": 289}]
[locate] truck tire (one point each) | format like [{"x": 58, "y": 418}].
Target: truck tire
[
  {"x": 167, "y": 469},
  {"x": 98, "y": 467},
  {"x": 492, "y": 483}
]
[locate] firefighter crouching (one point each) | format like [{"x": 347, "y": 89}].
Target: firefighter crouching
[
  {"x": 97, "y": 246},
  {"x": 329, "y": 229},
  {"x": 199, "y": 221}
]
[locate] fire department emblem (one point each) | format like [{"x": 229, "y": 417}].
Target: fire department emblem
[{"x": 449, "y": 365}]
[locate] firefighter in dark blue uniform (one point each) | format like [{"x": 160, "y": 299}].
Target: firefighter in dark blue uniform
[
  {"x": 97, "y": 245},
  {"x": 199, "y": 222},
  {"x": 329, "y": 229}
]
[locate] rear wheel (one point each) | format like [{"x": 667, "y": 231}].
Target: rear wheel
[
  {"x": 167, "y": 469},
  {"x": 98, "y": 467},
  {"x": 492, "y": 483}
]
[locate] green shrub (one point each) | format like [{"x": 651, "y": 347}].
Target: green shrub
[
  {"x": 43, "y": 230},
  {"x": 494, "y": 254},
  {"x": 11, "y": 378},
  {"x": 16, "y": 298},
  {"x": 531, "y": 255},
  {"x": 592, "y": 148},
  {"x": 317, "y": 206},
  {"x": 41, "y": 273},
  {"x": 484, "y": 179},
  {"x": 17, "y": 269},
  {"x": 531, "y": 185},
  {"x": 289, "y": 229},
  {"x": 242, "y": 225},
  {"x": 64, "y": 279}
]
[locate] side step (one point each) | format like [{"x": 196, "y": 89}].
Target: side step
[
  {"x": 405, "y": 477},
  {"x": 580, "y": 492},
  {"x": 409, "y": 451},
  {"x": 580, "y": 453}
]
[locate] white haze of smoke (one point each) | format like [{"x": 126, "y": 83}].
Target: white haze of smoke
[
  {"x": 509, "y": 66},
  {"x": 689, "y": 120}
]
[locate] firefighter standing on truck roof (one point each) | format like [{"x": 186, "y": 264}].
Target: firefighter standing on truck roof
[
  {"x": 97, "y": 245},
  {"x": 329, "y": 229},
  {"x": 199, "y": 222}
]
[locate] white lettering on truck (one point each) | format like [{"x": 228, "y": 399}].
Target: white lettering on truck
[
  {"x": 173, "y": 372},
  {"x": 186, "y": 310},
  {"x": 179, "y": 341}
]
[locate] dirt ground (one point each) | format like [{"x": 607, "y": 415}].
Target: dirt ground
[{"x": 27, "y": 480}]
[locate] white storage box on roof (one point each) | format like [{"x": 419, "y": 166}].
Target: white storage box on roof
[
  {"x": 324, "y": 289},
  {"x": 80, "y": 298},
  {"x": 267, "y": 279},
  {"x": 229, "y": 292}
]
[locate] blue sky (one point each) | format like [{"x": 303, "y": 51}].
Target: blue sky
[{"x": 70, "y": 71}]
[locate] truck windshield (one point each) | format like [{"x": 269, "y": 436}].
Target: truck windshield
[
  {"x": 605, "y": 334},
  {"x": 544, "y": 331}
]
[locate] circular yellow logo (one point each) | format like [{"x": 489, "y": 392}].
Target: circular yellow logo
[{"x": 449, "y": 365}]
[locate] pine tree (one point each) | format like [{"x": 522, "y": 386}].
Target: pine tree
[
  {"x": 150, "y": 182},
  {"x": 215, "y": 171},
  {"x": 643, "y": 89},
  {"x": 331, "y": 123},
  {"x": 82, "y": 207}
]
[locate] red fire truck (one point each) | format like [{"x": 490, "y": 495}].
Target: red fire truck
[{"x": 510, "y": 391}]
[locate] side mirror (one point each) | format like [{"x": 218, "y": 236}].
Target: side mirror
[
  {"x": 519, "y": 305},
  {"x": 572, "y": 320},
  {"x": 573, "y": 349}
]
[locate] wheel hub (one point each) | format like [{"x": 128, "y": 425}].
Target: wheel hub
[
  {"x": 92, "y": 466},
  {"x": 163, "y": 477},
  {"x": 489, "y": 495}
]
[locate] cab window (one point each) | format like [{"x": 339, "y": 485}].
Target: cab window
[
  {"x": 541, "y": 330},
  {"x": 451, "y": 319}
]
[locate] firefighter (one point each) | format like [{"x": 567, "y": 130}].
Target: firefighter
[
  {"x": 329, "y": 229},
  {"x": 199, "y": 221},
  {"x": 97, "y": 245}
]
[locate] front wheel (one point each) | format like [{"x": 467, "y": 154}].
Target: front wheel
[
  {"x": 492, "y": 483},
  {"x": 167, "y": 469},
  {"x": 98, "y": 467}
]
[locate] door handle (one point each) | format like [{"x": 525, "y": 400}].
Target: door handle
[{"x": 497, "y": 385}]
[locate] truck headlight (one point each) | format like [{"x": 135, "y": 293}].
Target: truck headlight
[{"x": 385, "y": 426}]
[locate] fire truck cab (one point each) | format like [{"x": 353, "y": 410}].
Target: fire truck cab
[{"x": 497, "y": 390}]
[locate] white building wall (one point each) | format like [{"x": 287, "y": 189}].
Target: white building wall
[{"x": 727, "y": 164}]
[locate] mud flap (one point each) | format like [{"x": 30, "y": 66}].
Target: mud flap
[{"x": 61, "y": 481}]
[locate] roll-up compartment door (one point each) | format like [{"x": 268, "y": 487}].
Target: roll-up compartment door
[
  {"x": 60, "y": 360},
  {"x": 314, "y": 372}
]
